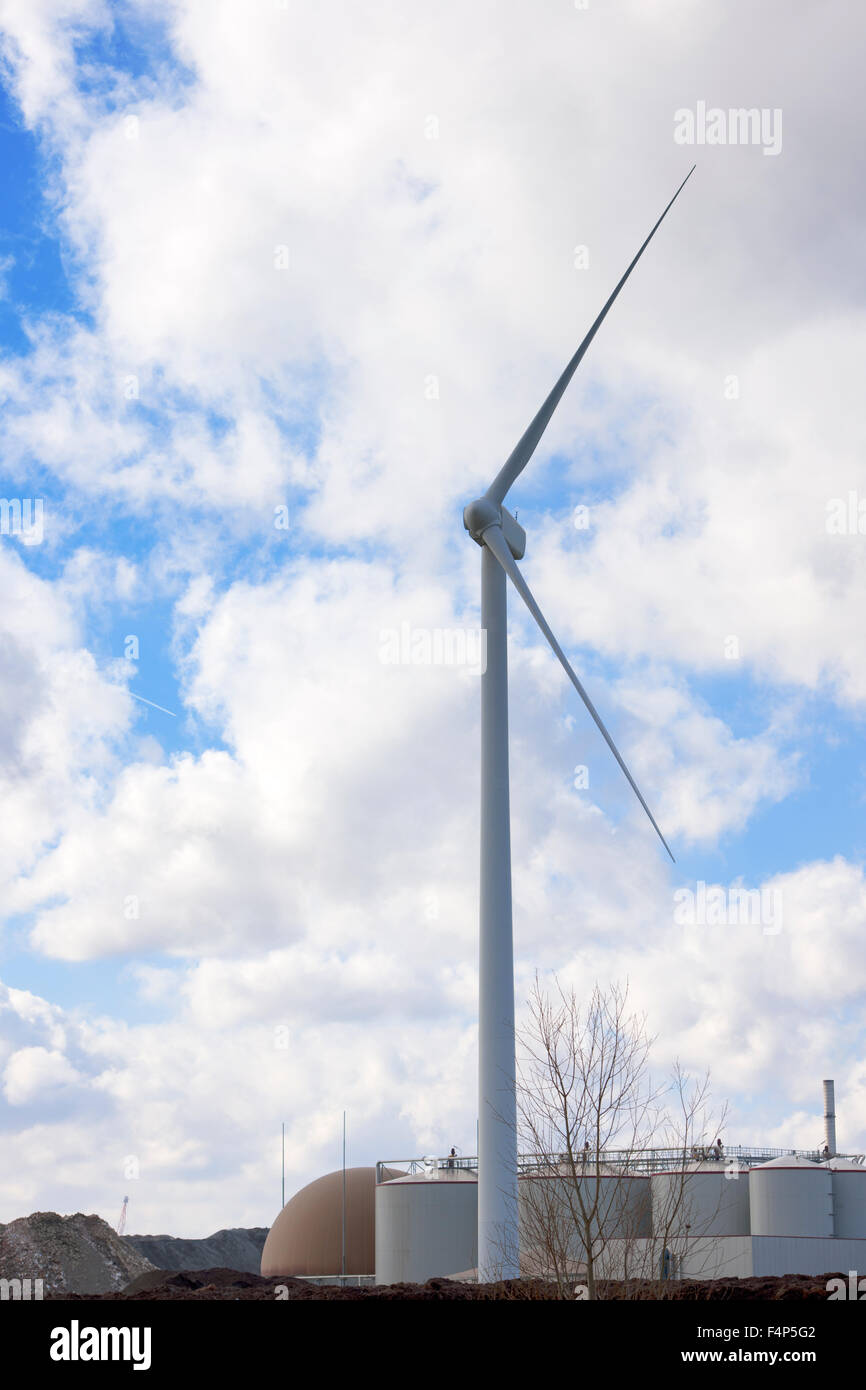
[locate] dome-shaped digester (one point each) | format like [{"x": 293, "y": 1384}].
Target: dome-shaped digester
[
  {"x": 426, "y": 1227},
  {"x": 790, "y": 1196},
  {"x": 307, "y": 1236},
  {"x": 701, "y": 1199},
  {"x": 849, "y": 1197}
]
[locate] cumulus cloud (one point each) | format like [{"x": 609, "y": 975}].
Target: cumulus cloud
[
  {"x": 64, "y": 720},
  {"x": 32, "y": 1072}
]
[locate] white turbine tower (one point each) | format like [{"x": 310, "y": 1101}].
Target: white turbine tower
[{"x": 503, "y": 543}]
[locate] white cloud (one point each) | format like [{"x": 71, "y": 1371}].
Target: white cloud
[
  {"x": 61, "y": 719},
  {"x": 33, "y": 1071},
  {"x": 39, "y": 38}
]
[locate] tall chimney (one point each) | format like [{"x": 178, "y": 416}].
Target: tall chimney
[{"x": 830, "y": 1117}]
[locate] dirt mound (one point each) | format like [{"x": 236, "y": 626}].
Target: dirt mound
[
  {"x": 238, "y": 1247},
  {"x": 80, "y": 1254},
  {"x": 234, "y": 1285},
  {"x": 759, "y": 1287},
  {"x": 241, "y": 1286}
]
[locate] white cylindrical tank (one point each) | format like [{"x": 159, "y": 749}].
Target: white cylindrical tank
[
  {"x": 700, "y": 1200},
  {"x": 619, "y": 1204},
  {"x": 790, "y": 1196},
  {"x": 849, "y": 1197},
  {"x": 426, "y": 1227}
]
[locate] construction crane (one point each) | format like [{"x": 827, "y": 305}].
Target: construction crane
[{"x": 121, "y": 1225}]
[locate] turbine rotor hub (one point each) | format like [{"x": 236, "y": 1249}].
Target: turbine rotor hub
[
  {"x": 479, "y": 515},
  {"x": 483, "y": 513}
]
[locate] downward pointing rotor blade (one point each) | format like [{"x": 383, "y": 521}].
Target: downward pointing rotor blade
[
  {"x": 496, "y": 542},
  {"x": 519, "y": 458}
]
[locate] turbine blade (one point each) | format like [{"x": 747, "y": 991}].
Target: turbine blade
[
  {"x": 496, "y": 542},
  {"x": 519, "y": 458}
]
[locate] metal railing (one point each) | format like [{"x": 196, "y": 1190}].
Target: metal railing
[
  {"x": 424, "y": 1167},
  {"x": 631, "y": 1160}
]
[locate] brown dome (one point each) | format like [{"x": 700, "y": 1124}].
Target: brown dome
[{"x": 306, "y": 1237}]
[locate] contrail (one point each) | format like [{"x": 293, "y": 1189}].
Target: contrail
[{"x": 152, "y": 704}]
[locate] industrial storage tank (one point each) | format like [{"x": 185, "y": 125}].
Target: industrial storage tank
[
  {"x": 849, "y": 1197},
  {"x": 426, "y": 1227},
  {"x": 700, "y": 1200},
  {"x": 789, "y": 1196},
  {"x": 548, "y": 1208}
]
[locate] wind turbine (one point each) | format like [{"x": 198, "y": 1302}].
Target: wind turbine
[{"x": 503, "y": 543}]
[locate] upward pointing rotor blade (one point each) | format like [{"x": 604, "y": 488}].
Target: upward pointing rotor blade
[
  {"x": 496, "y": 542},
  {"x": 519, "y": 458}
]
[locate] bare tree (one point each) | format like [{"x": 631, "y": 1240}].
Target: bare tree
[
  {"x": 583, "y": 1091},
  {"x": 589, "y": 1120},
  {"x": 683, "y": 1213}
]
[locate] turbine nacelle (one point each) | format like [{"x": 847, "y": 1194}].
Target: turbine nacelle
[{"x": 483, "y": 513}]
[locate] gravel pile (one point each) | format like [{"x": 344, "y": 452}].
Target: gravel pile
[
  {"x": 70, "y": 1254},
  {"x": 239, "y": 1247}
]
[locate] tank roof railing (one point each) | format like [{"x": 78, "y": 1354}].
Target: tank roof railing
[
  {"x": 632, "y": 1160},
  {"x": 425, "y": 1167}
]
